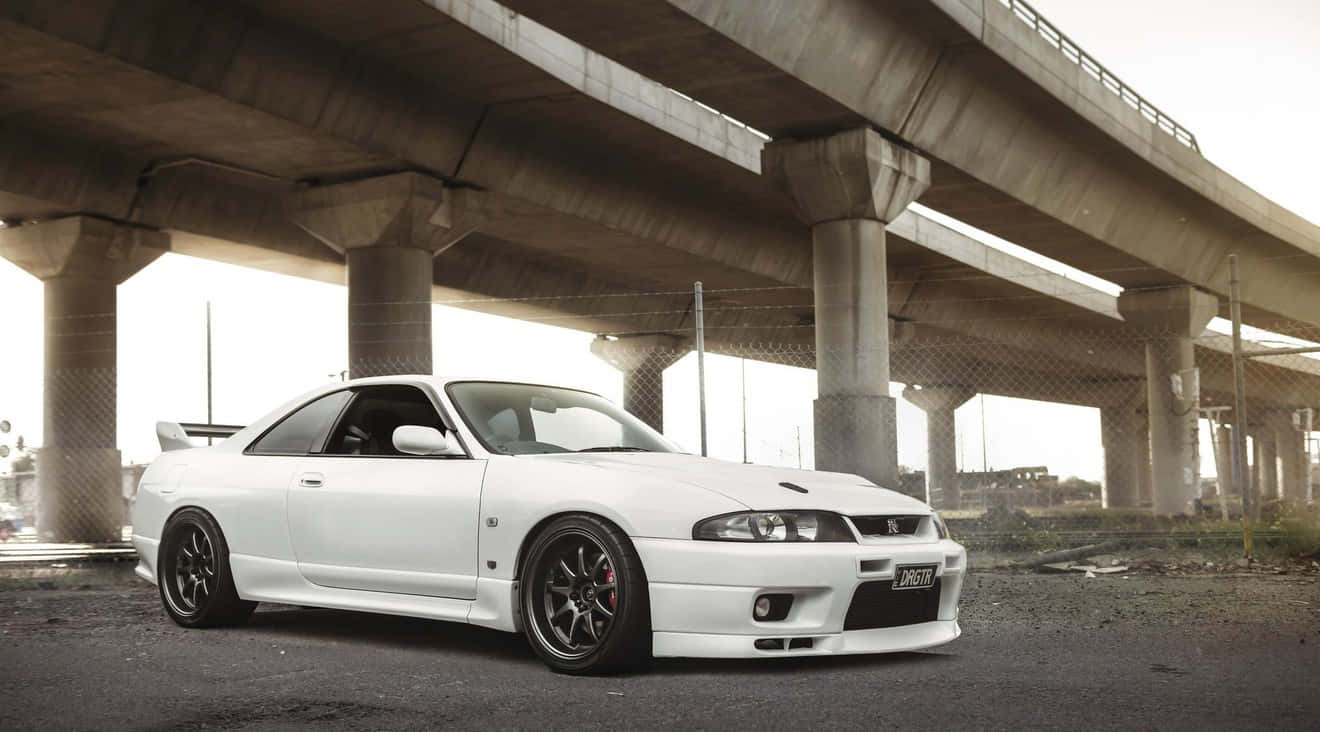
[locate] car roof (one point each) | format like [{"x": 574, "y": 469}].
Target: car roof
[{"x": 441, "y": 381}]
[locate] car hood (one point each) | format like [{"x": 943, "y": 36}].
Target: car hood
[{"x": 755, "y": 486}]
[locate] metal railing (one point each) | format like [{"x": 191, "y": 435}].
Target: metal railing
[{"x": 1074, "y": 53}]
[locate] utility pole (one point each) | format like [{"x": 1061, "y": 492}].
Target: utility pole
[
  {"x": 1239, "y": 405},
  {"x": 701, "y": 364}
]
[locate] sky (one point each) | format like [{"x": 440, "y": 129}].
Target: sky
[{"x": 1240, "y": 76}]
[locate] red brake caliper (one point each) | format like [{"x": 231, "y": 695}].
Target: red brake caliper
[{"x": 609, "y": 579}]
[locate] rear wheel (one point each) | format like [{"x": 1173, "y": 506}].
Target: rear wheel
[
  {"x": 192, "y": 571},
  {"x": 584, "y": 598}
]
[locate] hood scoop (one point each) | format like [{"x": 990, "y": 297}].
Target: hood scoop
[{"x": 793, "y": 487}]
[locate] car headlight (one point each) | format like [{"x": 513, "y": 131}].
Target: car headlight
[
  {"x": 941, "y": 529},
  {"x": 774, "y": 526}
]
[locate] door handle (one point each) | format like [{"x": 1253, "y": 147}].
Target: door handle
[{"x": 311, "y": 480}]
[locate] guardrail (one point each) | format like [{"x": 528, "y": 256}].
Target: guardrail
[{"x": 1074, "y": 53}]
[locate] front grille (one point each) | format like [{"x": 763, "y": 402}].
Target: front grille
[
  {"x": 878, "y": 605},
  {"x": 879, "y": 525}
]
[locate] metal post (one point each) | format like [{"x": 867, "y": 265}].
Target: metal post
[
  {"x": 1308, "y": 453},
  {"x": 799, "y": 443},
  {"x": 743, "y": 383},
  {"x": 1239, "y": 405},
  {"x": 985, "y": 462},
  {"x": 209, "y": 416},
  {"x": 701, "y": 365}
]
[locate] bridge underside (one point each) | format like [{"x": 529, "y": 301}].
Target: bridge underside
[{"x": 237, "y": 130}]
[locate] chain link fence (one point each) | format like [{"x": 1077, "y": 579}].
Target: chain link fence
[{"x": 969, "y": 418}]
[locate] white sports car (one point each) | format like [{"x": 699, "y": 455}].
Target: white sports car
[{"x": 541, "y": 510}]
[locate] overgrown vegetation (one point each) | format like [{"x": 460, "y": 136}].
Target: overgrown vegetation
[{"x": 1284, "y": 530}]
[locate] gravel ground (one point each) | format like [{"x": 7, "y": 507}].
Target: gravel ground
[{"x": 1192, "y": 651}]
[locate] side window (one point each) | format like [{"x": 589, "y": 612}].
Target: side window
[
  {"x": 304, "y": 429},
  {"x": 367, "y": 427}
]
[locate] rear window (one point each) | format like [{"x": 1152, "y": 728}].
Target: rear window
[{"x": 305, "y": 427}]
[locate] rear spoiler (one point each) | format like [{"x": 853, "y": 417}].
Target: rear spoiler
[{"x": 174, "y": 435}]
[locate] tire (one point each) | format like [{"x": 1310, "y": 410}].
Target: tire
[
  {"x": 598, "y": 596},
  {"x": 193, "y": 552}
]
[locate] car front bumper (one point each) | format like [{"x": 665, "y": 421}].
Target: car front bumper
[{"x": 702, "y": 594}]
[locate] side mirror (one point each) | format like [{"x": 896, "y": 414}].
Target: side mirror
[{"x": 417, "y": 440}]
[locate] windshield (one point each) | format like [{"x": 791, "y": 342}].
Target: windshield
[{"x": 523, "y": 419}]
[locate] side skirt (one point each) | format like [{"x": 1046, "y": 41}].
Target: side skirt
[{"x": 276, "y": 580}]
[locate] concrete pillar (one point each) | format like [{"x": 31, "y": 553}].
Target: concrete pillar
[
  {"x": 1223, "y": 437},
  {"x": 81, "y": 260},
  {"x": 1170, "y": 319},
  {"x": 1121, "y": 433},
  {"x": 939, "y": 403},
  {"x": 1143, "y": 458},
  {"x": 390, "y": 229},
  {"x": 847, "y": 187},
  {"x": 389, "y": 311},
  {"x": 643, "y": 360},
  {"x": 1265, "y": 470},
  {"x": 1292, "y": 461}
]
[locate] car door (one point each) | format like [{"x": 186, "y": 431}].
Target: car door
[{"x": 364, "y": 516}]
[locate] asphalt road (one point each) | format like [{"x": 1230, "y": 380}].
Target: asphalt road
[{"x": 1037, "y": 651}]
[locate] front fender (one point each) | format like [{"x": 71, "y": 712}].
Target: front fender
[{"x": 521, "y": 492}]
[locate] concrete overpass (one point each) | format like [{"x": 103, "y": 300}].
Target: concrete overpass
[{"x": 427, "y": 150}]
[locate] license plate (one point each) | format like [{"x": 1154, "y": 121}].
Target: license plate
[{"x": 914, "y": 577}]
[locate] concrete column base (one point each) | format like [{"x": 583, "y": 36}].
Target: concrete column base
[
  {"x": 80, "y": 495},
  {"x": 856, "y": 434}
]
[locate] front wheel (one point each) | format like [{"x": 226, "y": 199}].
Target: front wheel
[
  {"x": 584, "y": 598},
  {"x": 192, "y": 570}
]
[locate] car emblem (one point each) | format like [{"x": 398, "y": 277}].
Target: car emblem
[{"x": 893, "y": 526}]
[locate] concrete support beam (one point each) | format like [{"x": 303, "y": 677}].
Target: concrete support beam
[
  {"x": 643, "y": 360},
  {"x": 1120, "y": 433},
  {"x": 847, "y": 187},
  {"x": 939, "y": 404},
  {"x": 390, "y": 229},
  {"x": 80, "y": 260},
  {"x": 1171, "y": 318}
]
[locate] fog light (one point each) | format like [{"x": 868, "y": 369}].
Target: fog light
[{"x": 769, "y": 608}]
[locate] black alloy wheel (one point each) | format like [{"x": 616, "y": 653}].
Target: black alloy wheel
[
  {"x": 584, "y": 598},
  {"x": 193, "y": 574}
]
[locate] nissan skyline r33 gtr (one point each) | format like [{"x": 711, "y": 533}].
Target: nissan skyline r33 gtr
[{"x": 542, "y": 510}]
